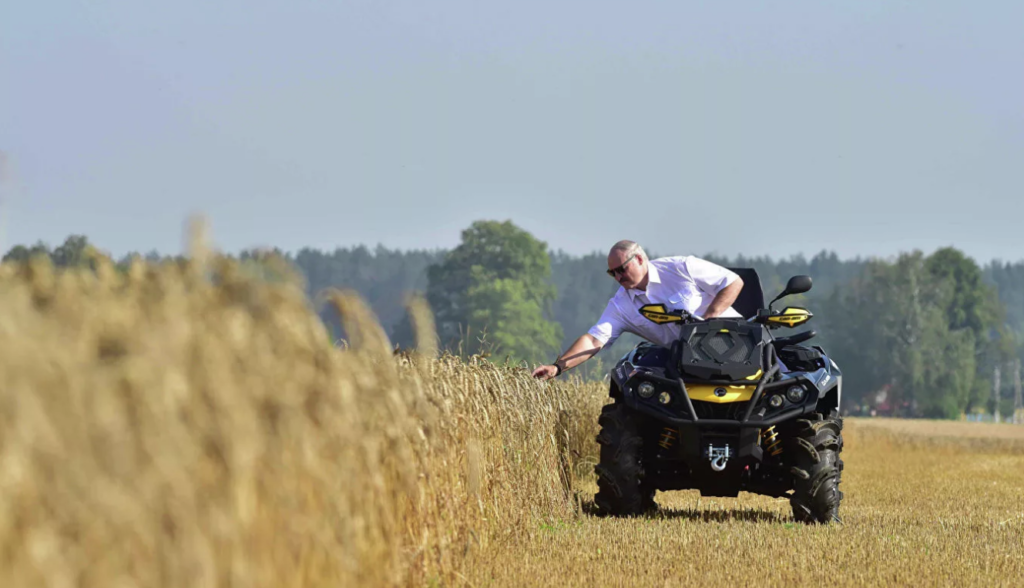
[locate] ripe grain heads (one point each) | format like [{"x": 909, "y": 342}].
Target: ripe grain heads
[{"x": 364, "y": 332}]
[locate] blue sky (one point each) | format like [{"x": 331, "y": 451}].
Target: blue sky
[{"x": 763, "y": 128}]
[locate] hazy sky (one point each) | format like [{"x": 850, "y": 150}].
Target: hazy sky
[{"x": 865, "y": 127}]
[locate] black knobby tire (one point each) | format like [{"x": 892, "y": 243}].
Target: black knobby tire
[
  {"x": 622, "y": 490},
  {"x": 815, "y": 448}
]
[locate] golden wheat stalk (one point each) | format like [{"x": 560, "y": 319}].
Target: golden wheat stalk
[{"x": 190, "y": 424}]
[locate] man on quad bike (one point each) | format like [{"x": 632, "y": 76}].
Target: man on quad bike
[
  {"x": 715, "y": 400},
  {"x": 702, "y": 288}
]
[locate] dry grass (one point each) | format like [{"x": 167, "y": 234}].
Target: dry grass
[{"x": 191, "y": 425}]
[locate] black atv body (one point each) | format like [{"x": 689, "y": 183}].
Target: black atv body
[{"x": 727, "y": 408}]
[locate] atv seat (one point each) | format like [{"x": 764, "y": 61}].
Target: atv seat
[{"x": 751, "y": 298}]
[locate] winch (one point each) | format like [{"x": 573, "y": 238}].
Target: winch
[{"x": 718, "y": 456}]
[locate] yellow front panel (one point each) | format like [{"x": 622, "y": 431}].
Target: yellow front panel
[
  {"x": 658, "y": 314},
  {"x": 707, "y": 393},
  {"x": 789, "y": 320},
  {"x": 791, "y": 316}
]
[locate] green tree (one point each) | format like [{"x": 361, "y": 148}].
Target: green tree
[
  {"x": 20, "y": 253},
  {"x": 1008, "y": 279},
  {"x": 73, "y": 252},
  {"x": 972, "y": 304},
  {"x": 509, "y": 322},
  {"x": 495, "y": 281},
  {"x": 920, "y": 326}
]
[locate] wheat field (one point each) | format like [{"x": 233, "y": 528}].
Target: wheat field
[{"x": 192, "y": 424}]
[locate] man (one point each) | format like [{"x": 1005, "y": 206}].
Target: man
[{"x": 700, "y": 287}]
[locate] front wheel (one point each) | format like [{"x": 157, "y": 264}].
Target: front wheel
[
  {"x": 817, "y": 468},
  {"x": 622, "y": 490}
]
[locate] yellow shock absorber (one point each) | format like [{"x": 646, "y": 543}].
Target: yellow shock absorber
[
  {"x": 668, "y": 436},
  {"x": 772, "y": 442}
]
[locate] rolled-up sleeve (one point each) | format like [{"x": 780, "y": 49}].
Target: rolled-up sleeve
[
  {"x": 609, "y": 326},
  {"x": 709, "y": 277}
]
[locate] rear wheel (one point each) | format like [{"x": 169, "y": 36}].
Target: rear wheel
[
  {"x": 815, "y": 448},
  {"x": 622, "y": 490}
]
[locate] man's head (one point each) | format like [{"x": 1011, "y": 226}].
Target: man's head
[{"x": 627, "y": 263}]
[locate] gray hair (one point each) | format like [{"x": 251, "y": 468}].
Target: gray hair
[{"x": 629, "y": 247}]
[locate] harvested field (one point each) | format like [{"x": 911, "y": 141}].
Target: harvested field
[
  {"x": 917, "y": 511},
  {"x": 192, "y": 425}
]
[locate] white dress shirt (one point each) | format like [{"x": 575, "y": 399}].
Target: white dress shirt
[{"x": 684, "y": 282}]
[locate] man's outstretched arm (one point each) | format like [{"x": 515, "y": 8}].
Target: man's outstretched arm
[
  {"x": 724, "y": 299},
  {"x": 580, "y": 351}
]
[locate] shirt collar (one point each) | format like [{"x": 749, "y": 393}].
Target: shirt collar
[{"x": 652, "y": 278}]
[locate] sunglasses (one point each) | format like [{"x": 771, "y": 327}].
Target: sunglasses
[{"x": 621, "y": 269}]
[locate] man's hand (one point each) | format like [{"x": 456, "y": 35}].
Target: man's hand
[
  {"x": 580, "y": 351},
  {"x": 545, "y": 372}
]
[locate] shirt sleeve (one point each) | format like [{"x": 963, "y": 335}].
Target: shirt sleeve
[
  {"x": 609, "y": 327},
  {"x": 709, "y": 277}
]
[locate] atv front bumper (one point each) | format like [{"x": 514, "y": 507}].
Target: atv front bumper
[{"x": 692, "y": 440}]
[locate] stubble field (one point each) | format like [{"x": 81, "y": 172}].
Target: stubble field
[
  {"x": 193, "y": 425},
  {"x": 922, "y": 507}
]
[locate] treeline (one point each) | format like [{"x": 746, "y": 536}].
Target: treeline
[{"x": 915, "y": 335}]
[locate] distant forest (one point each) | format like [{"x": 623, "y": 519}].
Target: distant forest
[{"x": 928, "y": 330}]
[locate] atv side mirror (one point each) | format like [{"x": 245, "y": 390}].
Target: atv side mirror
[{"x": 796, "y": 285}]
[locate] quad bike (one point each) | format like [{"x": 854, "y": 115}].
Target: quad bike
[{"x": 728, "y": 407}]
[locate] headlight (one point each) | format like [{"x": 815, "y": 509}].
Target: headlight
[
  {"x": 645, "y": 389},
  {"x": 795, "y": 393},
  {"x": 775, "y": 401},
  {"x": 664, "y": 398}
]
